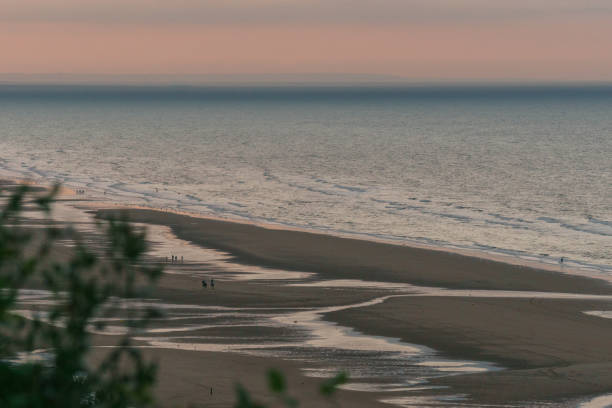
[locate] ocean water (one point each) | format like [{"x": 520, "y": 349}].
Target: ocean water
[{"x": 524, "y": 172}]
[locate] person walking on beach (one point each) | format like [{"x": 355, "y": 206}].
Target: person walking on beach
[
  {"x": 212, "y": 283},
  {"x": 204, "y": 283}
]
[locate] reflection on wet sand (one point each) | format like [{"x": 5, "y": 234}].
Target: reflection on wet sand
[{"x": 375, "y": 363}]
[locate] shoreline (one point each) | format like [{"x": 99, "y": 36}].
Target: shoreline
[
  {"x": 541, "y": 342},
  {"x": 340, "y": 258},
  {"x": 586, "y": 270},
  {"x": 528, "y": 260}
]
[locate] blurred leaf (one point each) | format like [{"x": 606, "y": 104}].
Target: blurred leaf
[
  {"x": 276, "y": 381},
  {"x": 330, "y": 386},
  {"x": 244, "y": 399},
  {"x": 45, "y": 201},
  {"x": 80, "y": 291},
  {"x": 291, "y": 402}
]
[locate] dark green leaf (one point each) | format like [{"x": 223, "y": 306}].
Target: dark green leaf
[
  {"x": 276, "y": 381},
  {"x": 330, "y": 386}
]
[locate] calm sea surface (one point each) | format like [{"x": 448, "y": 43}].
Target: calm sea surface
[{"x": 520, "y": 171}]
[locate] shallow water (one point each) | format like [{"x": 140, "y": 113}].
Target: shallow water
[
  {"x": 519, "y": 172},
  {"x": 375, "y": 363},
  {"x": 606, "y": 314}
]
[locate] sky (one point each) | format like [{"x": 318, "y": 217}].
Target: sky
[{"x": 412, "y": 40}]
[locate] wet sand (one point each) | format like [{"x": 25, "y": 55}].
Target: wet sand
[
  {"x": 552, "y": 350},
  {"x": 186, "y": 377},
  {"x": 344, "y": 258}
]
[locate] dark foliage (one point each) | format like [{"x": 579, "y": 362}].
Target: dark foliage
[{"x": 83, "y": 289}]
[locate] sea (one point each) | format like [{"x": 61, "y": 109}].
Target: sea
[{"x": 522, "y": 172}]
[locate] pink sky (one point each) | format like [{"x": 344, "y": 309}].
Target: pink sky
[{"x": 413, "y": 39}]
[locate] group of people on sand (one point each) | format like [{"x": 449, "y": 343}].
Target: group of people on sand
[
  {"x": 174, "y": 259},
  {"x": 212, "y": 283},
  {"x": 80, "y": 191}
]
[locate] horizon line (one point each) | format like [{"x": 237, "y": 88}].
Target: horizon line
[{"x": 272, "y": 79}]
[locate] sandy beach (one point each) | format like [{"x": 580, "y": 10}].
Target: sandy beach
[
  {"x": 549, "y": 348},
  {"x": 340, "y": 258},
  {"x": 185, "y": 379},
  {"x": 542, "y": 346}
]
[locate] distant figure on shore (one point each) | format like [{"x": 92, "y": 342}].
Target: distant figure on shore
[
  {"x": 561, "y": 260},
  {"x": 204, "y": 283},
  {"x": 212, "y": 283},
  {"x": 181, "y": 258}
]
